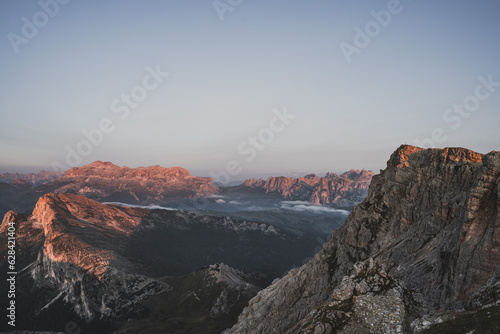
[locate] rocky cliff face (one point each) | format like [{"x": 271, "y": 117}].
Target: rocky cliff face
[
  {"x": 344, "y": 190},
  {"x": 76, "y": 247},
  {"x": 429, "y": 232},
  {"x": 77, "y": 230},
  {"x": 105, "y": 181}
]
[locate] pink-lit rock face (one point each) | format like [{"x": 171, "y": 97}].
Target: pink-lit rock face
[
  {"x": 76, "y": 230},
  {"x": 111, "y": 171},
  {"x": 347, "y": 189},
  {"x": 83, "y": 232},
  {"x": 77, "y": 246},
  {"x": 105, "y": 181},
  {"x": 344, "y": 190}
]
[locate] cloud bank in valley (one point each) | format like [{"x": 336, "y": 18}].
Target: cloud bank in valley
[
  {"x": 150, "y": 207},
  {"x": 308, "y": 207}
]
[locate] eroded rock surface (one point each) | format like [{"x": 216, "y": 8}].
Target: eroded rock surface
[
  {"x": 430, "y": 222},
  {"x": 105, "y": 181},
  {"x": 344, "y": 190}
]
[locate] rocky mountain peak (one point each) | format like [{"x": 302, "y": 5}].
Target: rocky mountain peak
[
  {"x": 109, "y": 170},
  {"x": 107, "y": 182},
  {"x": 430, "y": 222},
  {"x": 73, "y": 223},
  {"x": 254, "y": 183},
  {"x": 330, "y": 175},
  {"x": 101, "y": 164},
  {"x": 228, "y": 275},
  {"x": 10, "y": 216},
  {"x": 345, "y": 190},
  {"x": 400, "y": 158},
  {"x": 83, "y": 211}
]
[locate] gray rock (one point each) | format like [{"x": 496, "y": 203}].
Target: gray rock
[{"x": 431, "y": 226}]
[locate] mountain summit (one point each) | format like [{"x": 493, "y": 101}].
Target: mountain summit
[
  {"x": 425, "y": 241},
  {"x": 105, "y": 181}
]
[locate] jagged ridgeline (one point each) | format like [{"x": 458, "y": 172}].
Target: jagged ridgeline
[
  {"x": 175, "y": 186},
  {"x": 344, "y": 190},
  {"x": 424, "y": 243}
]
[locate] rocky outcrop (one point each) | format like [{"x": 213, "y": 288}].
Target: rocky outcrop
[
  {"x": 105, "y": 181},
  {"x": 80, "y": 255},
  {"x": 430, "y": 222},
  {"x": 344, "y": 190},
  {"x": 76, "y": 229},
  {"x": 205, "y": 301},
  {"x": 367, "y": 300},
  {"x": 232, "y": 281}
]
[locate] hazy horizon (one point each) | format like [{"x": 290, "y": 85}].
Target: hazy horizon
[
  {"x": 240, "y": 177},
  {"x": 262, "y": 87}
]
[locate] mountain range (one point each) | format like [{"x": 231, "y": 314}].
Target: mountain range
[
  {"x": 104, "y": 264},
  {"x": 156, "y": 185},
  {"x": 344, "y": 190},
  {"x": 419, "y": 254}
]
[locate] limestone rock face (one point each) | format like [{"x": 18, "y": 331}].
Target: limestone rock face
[
  {"x": 233, "y": 281},
  {"x": 430, "y": 223},
  {"x": 80, "y": 254},
  {"x": 77, "y": 229},
  {"x": 345, "y": 190},
  {"x": 105, "y": 181},
  {"x": 366, "y": 301}
]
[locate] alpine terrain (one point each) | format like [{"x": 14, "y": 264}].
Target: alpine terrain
[{"x": 420, "y": 254}]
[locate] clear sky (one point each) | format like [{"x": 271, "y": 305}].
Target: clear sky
[{"x": 229, "y": 66}]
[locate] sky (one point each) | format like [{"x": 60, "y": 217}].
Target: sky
[{"x": 245, "y": 88}]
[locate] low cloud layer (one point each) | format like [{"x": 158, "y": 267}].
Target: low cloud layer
[
  {"x": 308, "y": 207},
  {"x": 150, "y": 207}
]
